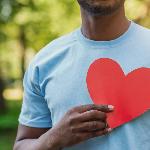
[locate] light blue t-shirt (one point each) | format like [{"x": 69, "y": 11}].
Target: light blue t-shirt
[{"x": 55, "y": 81}]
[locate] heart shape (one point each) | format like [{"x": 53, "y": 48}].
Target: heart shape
[{"x": 130, "y": 94}]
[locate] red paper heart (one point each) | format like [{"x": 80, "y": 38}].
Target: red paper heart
[{"x": 130, "y": 94}]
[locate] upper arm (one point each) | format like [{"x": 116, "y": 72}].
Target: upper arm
[
  {"x": 34, "y": 112},
  {"x": 27, "y": 138},
  {"x": 35, "y": 117},
  {"x": 25, "y": 132}
]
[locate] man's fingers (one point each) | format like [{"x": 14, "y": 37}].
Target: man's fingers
[
  {"x": 92, "y": 115},
  {"x": 100, "y": 133},
  {"x": 91, "y": 126},
  {"x": 84, "y": 108},
  {"x": 93, "y": 134}
]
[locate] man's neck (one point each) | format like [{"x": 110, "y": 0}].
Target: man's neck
[{"x": 104, "y": 28}]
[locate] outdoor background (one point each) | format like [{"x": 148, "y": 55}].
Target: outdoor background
[{"x": 25, "y": 27}]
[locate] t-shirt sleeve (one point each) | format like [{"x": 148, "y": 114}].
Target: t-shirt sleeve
[{"x": 34, "y": 111}]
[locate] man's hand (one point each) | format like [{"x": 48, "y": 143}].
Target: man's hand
[{"x": 79, "y": 124}]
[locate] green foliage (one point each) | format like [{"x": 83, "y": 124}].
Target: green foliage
[
  {"x": 39, "y": 21},
  {"x": 7, "y": 138},
  {"x": 8, "y": 125},
  {"x": 9, "y": 120},
  {"x": 139, "y": 10}
]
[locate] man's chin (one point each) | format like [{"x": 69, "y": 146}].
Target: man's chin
[
  {"x": 100, "y": 7},
  {"x": 101, "y": 3}
]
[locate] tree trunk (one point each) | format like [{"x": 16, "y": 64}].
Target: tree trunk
[
  {"x": 23, "y": 50},
  {"x": 2, "y": 102}
]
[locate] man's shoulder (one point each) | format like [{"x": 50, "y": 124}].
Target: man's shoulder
[
  {"x": 55, "y": 46},
  {"x": 143, "y": 31},
  {"x": 141, "y": 38}
]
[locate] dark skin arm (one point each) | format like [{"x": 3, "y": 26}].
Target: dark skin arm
[
  {"x": 27, "y": 138},
  {"x": 78, "y": 124}
]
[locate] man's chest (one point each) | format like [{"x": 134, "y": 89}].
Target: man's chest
[{"x": 67, "y": 87}]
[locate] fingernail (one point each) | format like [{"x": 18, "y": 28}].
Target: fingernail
[
  {"x": 109, "y": 129},
  {"x": 110, "y": 107}
]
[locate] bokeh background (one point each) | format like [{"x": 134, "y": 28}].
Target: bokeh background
[{"x": 25, "y": 27}]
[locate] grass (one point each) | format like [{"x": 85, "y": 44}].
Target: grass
[{"x": 8, "y": 125}]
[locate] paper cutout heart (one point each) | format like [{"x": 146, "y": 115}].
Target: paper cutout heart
[{"x": 130, "y": 94}]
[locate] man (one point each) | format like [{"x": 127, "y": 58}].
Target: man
[{"x": 57, "y": 111}]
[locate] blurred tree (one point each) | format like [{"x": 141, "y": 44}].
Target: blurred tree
[
  {"x": 2, "y": 104},
  {"x": 139, "y": 11},
  {"x": 30, "y": 24},
  {"x": 25, "y": 27}
]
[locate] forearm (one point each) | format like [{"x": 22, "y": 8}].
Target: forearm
[{"x": 45, "y": 142}]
